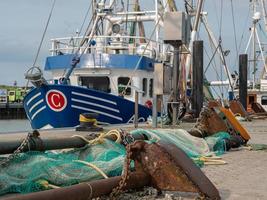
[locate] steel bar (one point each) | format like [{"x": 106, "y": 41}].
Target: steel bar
[{"x": 86, "y": 191}]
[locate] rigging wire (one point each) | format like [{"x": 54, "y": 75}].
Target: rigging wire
[
  {"x": 220, "y": 40},
  {"x": 212, "y": 63},
  {"x": 41, "y": 42},
  {"x": 264, "y": 32},
  {"x": 244, "y": 30},
  {"x": 85, "y": 17},
  {"x": 234, "y": 26},
  {"x": 216, "y": 12},
  {"x": 215, "y": 91},
  {"x": 87, "y": 32},
  {"x": 127, "y": 10},
  {"x": 44, "y": 33},
  {"x": 221, "y": 18},
  {"x": 211, "y": 59}
]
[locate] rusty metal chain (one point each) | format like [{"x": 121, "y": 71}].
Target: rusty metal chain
[
  {"x": 15, "y": 154},
  {"x": 199, "y": 125},
  {"x": 126, "y": 174},
  {"x": 126, "y": 137}
]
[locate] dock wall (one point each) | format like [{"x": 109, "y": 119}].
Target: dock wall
[{"x": 12, "y": 111}]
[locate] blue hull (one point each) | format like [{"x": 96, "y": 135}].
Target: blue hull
[{"x": 59, "y": 106}]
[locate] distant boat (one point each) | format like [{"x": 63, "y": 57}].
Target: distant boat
[{"x": 257, "y": 65}]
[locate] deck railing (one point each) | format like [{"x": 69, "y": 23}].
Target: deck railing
[{"x": 115, "y": 44}]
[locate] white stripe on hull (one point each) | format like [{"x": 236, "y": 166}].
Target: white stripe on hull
[
  {"x": 97, "y": 111},
  {"x": 36, "y": 104},
  {"x": 31, "y": 99},
  {"x": 94, "y": 104},
  {"x": 37, "y": 112},
  {"x": 93, "y": 97}
]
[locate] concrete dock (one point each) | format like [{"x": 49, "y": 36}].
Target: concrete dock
[{"x": 243, "y": 177}]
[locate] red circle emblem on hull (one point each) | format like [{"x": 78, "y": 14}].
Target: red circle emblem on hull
[{"x": 56, "y": 100}]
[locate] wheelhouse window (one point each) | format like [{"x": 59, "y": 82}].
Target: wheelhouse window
[
  {"x": 264, "y": 100},
  {"x": 101, "y": 83},
  {"x": 144, "y": 87},
  {"x": 122, "y": 82},
  {"x": 151, "y": 88}
]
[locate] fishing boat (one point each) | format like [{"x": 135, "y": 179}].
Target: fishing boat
[{"x": 102, "y": 71}]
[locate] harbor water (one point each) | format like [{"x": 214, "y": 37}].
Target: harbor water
[{"x": 14, "y": 125}]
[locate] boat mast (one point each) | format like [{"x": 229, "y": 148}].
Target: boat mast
[
  {"x": 157, "y": 27},
  {"x": 254, "y": 39},
  {"x": 254, "y": 45},
  {"x": 264, "y": 13},
  {"x": 193, "y": 36}
]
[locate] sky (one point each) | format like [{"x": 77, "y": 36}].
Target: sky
[{"x": 22, "y": 24}]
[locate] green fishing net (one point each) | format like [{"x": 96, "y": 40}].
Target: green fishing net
[
  {"x": 194, "y": 147},
  {"x": 30, "y": 171},
  {"x": 25, "y": 173}
]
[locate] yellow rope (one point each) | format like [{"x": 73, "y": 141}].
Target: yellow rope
[
  {"x": 84, "y": 119},
  {"x": 47, "y": 185},
  {"x": 214, "y": 160},
  {"x": 82, "y": 137},
  {"x": 101, "y": 137},
  {"x": 238, "y": 115},
  {"x": 93, "y": 167}
]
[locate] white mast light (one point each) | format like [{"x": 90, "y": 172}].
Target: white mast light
[{"x": 257, "y": 16}]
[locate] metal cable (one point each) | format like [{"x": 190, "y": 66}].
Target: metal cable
[
  {"x": 86, "y": 15},
  {"x": 46, "y": 26},
  {"x": 41, "y": 42},
  {"x": 234, "y": 26},
  {"x": 244, "y": 30},
  {"x": 211, "y": 59},
  {"x": 126, "y": 23},
  {"x": 221, "y": 20},
  {"x": 212, "y": 63}
]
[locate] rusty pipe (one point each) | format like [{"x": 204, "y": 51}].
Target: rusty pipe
[
  {"x": 44, "y": 144},
  {"x": 86, "y": 191}
]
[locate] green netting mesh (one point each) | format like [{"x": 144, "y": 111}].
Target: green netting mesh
[
  {"x": 194, "y": 147},
  {"x": 28, "y": 171},
  {"x": 25, "y": 172}
]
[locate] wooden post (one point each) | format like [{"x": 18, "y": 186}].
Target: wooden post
[
  {"x": 243, "y": 78},
  {"x": 175, "y": 83},
  {"x": 197, "y": 93},
  {"x": 136, "y": 110}
]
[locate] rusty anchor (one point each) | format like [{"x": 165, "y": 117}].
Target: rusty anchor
[
  {"x": 161, "y": 165},
  {"x": 171, "y": 169}
]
